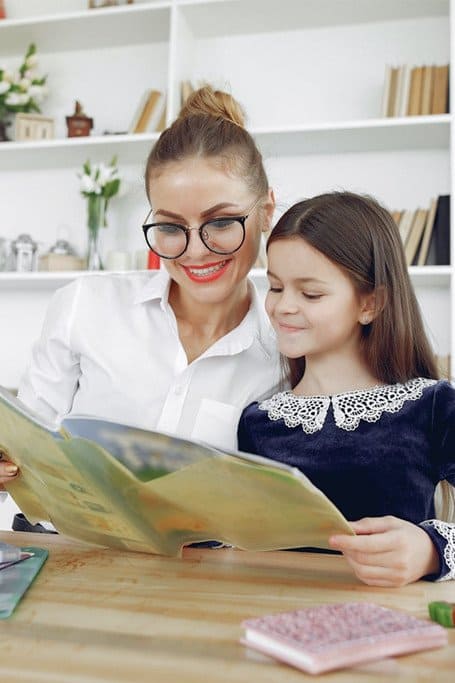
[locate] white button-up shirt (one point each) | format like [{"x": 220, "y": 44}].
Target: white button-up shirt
[{"x": 110, "y": 348}]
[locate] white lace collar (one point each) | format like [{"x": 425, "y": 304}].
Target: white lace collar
[{"x": 349, "y": 408}]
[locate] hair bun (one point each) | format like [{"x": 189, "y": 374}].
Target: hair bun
[{"x": 209, "y": 102}]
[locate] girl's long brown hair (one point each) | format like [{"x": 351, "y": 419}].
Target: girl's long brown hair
[{"x": 357, "y": 234}]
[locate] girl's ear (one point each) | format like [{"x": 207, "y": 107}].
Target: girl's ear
[
  {"x": 371, "y": 305},
  {"x": 269, "y": 207}
]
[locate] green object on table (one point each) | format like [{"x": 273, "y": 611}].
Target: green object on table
[
  {"x": 16, "y": 579},
  {"x": 442, "y": 612}
]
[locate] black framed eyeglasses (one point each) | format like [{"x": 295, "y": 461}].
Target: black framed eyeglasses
[{"x": 224, "y": 235}]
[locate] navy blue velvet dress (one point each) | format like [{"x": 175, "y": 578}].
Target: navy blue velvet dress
[{"x": 375, "y": 452}]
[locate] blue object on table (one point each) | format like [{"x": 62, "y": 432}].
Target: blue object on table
[{"x": 16, "y": 579}]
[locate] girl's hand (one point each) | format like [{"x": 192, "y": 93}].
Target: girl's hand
[
  {"x": 387, "y": 551},
  {"x": 7, "y": 472}
]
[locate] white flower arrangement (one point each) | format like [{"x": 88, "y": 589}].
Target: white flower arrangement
[
  {"x": 22, "y": 91},
  {"x": 100, "y": 179}
]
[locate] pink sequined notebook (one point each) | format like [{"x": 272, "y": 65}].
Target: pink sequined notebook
[{"x": 319, "y": 639}]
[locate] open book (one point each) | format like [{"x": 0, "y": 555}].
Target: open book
[{"x": 125, "y": 487}]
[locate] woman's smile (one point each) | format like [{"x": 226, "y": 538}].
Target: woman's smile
[{"x": 206, "y": 272}]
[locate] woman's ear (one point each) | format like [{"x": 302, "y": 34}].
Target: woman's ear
[
  {"x": 269, "y": 207},
  {"x": 371, "y": 305}
]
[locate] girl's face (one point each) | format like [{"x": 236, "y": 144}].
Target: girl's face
[
  {"x": 312, "y": 304},
  {"x": 191, "y": 192}
]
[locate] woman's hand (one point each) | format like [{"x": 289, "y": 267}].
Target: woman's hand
[
  {"x": 8, "y": 471},
  {"x": 387, "y": 551}
]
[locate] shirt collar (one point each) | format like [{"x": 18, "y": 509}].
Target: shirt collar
[
  {"x": 254, "y": 326},
  {"x": 156, "y": 287}
]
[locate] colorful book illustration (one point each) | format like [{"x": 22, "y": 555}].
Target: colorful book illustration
[
  {"x": 319, "y": 639},
  {"x": 124, "y": 487}
]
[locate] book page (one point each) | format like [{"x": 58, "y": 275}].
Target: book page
[{"x": 156, "y": 493}]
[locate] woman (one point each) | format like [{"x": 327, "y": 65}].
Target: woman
[{"x": 184, "y": 350}]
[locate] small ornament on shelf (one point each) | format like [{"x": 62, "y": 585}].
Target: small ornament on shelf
[
  {"x": 33, "y": 127},
  {"x": 24, "y": 253},
  {"x": 79, "y": 124},
  {"x": 61, "y": 256}
]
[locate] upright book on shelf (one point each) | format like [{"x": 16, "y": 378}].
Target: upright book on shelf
[
  {"x": 415, "y": 91},
  {"x": 415, "y": 235},
  {"x": 148, "y": 113},
  {"x": 427, "y": 89},
  {"x": 120, "y": 486},
  {"x": 327, "y": 637},
  {"x": 427, "y": 233},
  {"x": 440, "y": 98},
  {"x": 439, "y": 249}
]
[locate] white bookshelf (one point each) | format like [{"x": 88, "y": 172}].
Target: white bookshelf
[{"x": 309, "y": 74}]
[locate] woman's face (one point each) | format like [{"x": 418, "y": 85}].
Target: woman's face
[{"x": 189, "y": 193}]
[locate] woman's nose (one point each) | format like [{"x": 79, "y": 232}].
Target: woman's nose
[{"x": 196, "y": 247}]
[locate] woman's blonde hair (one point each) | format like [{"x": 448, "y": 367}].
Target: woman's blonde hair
[{"x": 211, "y": 124}]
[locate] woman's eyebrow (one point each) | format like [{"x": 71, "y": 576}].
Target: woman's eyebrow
[{"x": 207, "y": 212}]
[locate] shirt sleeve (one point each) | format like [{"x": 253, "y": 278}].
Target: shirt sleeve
[{"x": 50, "y": 381}]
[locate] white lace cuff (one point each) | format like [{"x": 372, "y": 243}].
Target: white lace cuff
[{"x": 447, "y": 532}]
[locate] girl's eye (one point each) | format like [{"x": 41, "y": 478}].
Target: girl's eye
[
  {"x": 275, "y": 290},
  {"x": 312, "y": 297}
]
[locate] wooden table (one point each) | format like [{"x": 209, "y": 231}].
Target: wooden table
[{"x": 96, "y": 614}]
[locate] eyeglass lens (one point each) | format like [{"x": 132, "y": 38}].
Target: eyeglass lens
[{"x": 222, "y": 236}]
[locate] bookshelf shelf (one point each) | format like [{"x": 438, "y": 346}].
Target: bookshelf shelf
[
  {"x": 429, "y": 276},
  {"x": 312, "y": 94},
  {"x": 211, "y": 18},
  {"x": 139, "y": 23},
  {"x": 410, "y": 133}
]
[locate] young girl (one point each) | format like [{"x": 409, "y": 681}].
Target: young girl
[{"x": 367, "y": 420}]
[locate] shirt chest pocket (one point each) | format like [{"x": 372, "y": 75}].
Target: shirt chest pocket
[{"x": 216, "y": 424}]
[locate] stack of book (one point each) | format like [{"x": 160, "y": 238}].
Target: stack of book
[
  {"x": 415, "y": 90},
  {"x": 425, "y": 233}
]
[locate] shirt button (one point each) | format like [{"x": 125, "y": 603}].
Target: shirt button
[{"x": 178, "y": 389}]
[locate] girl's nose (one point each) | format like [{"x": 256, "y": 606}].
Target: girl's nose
[{"x": 287, "y": 303}]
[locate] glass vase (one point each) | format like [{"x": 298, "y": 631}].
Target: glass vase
[{"x": 96, "y": 219}]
